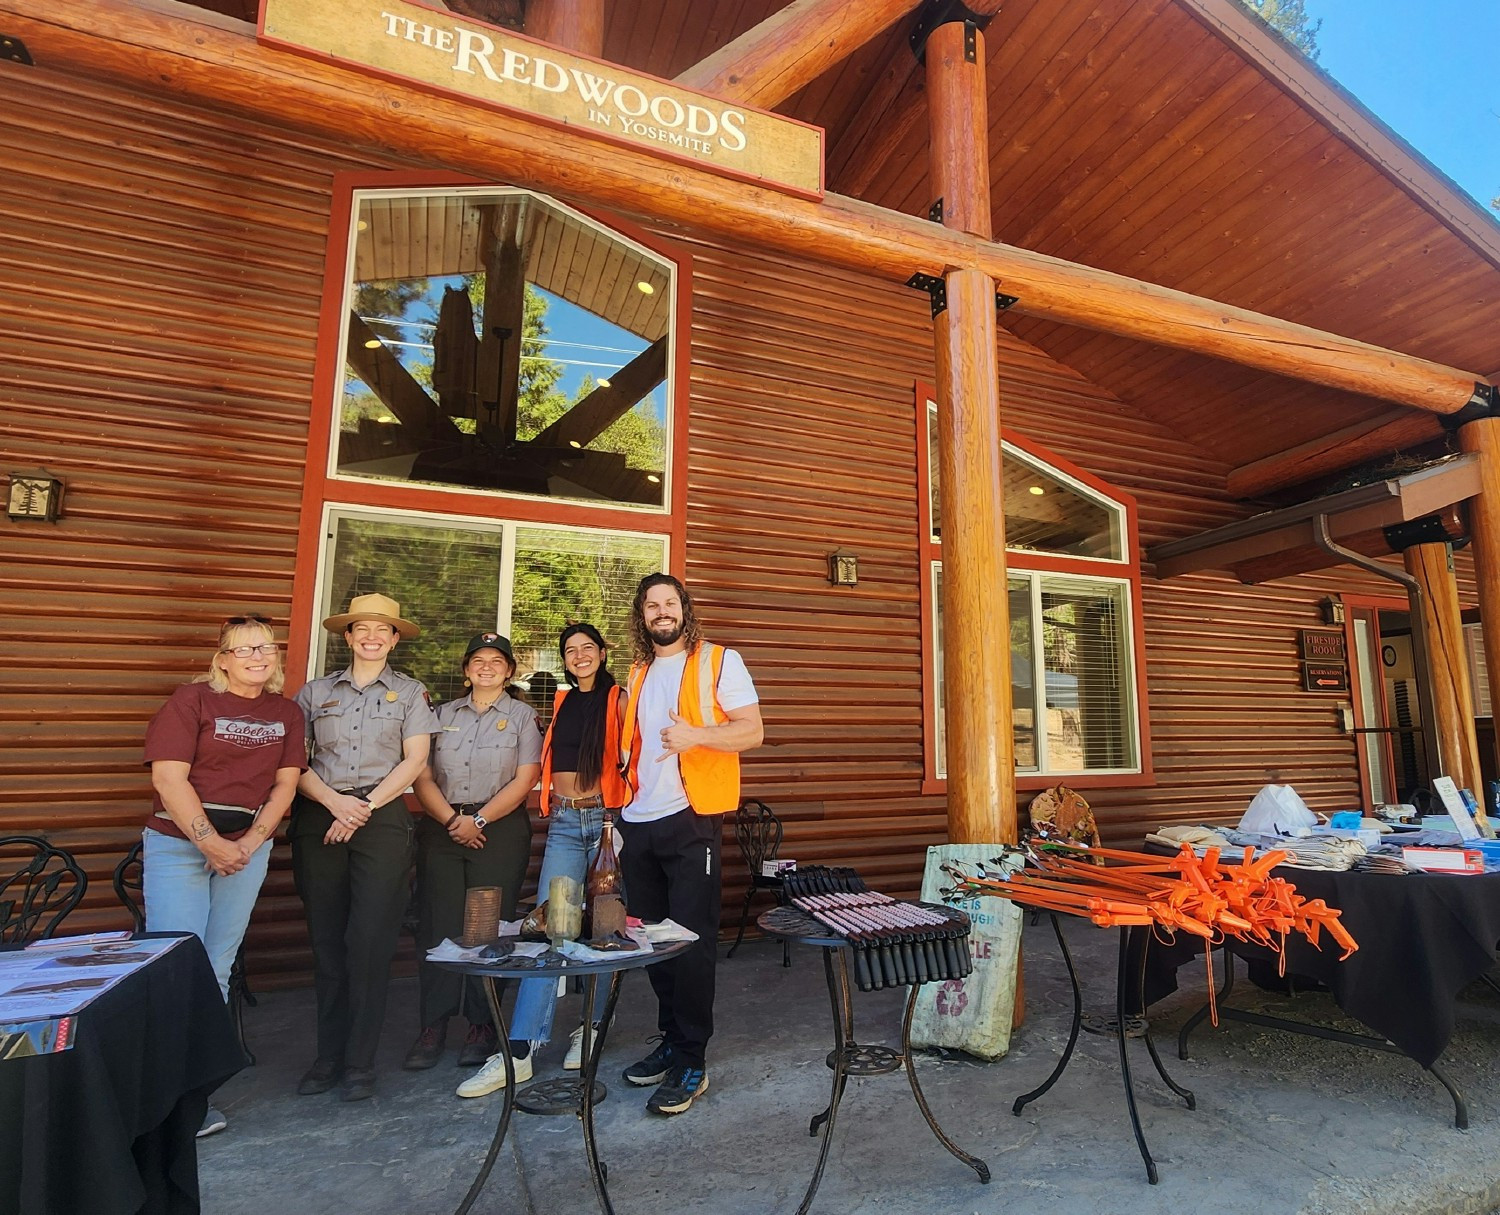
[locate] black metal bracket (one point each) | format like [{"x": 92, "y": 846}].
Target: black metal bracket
[
  {"x": 1485, "y": 403},
  {"x": 940, "y": 12},
  {"x": 13, "y": 50},
  {"x": 1429, "y": 529},
  {"x": 1003, "y": 301},
  {"x": 936, "y": 288},
  {"x": 935, "y": 212}
]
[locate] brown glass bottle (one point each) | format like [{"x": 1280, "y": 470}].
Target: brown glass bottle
[{"x": 606, "y": 886}]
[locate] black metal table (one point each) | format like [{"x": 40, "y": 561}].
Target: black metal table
[
  {"x": 849, "y": 1057},
  {"x": 1134, "y": 947},
  {"x": 593, "y": 1044}
]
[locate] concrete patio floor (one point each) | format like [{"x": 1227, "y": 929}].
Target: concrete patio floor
[{"x": 1283, "y": 1124}]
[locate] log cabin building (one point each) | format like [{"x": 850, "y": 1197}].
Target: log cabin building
[{"x": 1024, "y": 389}]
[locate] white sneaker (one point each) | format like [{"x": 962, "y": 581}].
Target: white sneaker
[
  {"x": 491, "y": 1077},
  {"x": 573, "y": 1060}
]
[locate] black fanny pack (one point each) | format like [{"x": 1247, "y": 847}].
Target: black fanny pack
[{"x": 228, "y": 820}]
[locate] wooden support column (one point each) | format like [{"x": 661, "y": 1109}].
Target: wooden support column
[
  {"x": 1431, "y": 564},
  {"x": 976, "y": 616},
  {"x": 574, "y": 25},
  {"x": 1482, "y": 437}
]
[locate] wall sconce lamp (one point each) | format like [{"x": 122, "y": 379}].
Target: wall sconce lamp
[
  {"x": 1331, "y": 610},
  {"x": 843, "y": 568},
  {"x": 35, "y": 495}
]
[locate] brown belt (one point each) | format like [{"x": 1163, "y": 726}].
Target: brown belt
[{"x": 594, "y": 801}]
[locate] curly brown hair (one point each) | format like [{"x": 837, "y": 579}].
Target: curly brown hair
[{"x": 643, "y": 650}]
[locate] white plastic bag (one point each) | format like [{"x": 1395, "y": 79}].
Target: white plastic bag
[{"x": 1277, "y": 810}]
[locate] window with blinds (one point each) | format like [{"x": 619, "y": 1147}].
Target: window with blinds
[{"x": 1072, "y": 596}]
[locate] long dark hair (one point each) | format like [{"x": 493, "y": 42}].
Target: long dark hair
[
  {"x": 595, "y": 708},
  {"x": 640, "y": 635}
]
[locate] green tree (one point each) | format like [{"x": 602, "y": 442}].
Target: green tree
[{"x": 1289, "y": 19}]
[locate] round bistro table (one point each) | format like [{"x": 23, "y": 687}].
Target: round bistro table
[{"x": 593, "y": 1043}]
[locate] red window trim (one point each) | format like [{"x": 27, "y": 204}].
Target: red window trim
[
  {"x": 319, "y": 489},
  {"x": 1130, "y": 570}
]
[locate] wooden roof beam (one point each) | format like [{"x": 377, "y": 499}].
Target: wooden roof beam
[
  {"x": 574, "y": 25},
  {"x": 791, "y": 48},
  {"x": 602, "y": 408},
  {"x": 169, "y": 47},
  {"x": 392, "y": 384},
  {"x": 1365, "y": 440}
]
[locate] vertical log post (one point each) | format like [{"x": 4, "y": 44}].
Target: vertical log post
[
  {"x": 1482, "y": 437},
  {"x": 574, "y": 25},
  {"x": 1431, "y": 564},
  {"x": 976, "y": 616}
]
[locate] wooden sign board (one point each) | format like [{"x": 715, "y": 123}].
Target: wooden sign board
[
  {"x": 1321, "y": 677},
  {"x": 504, "y": 70},
  {"x": 1321, "y": 645}
]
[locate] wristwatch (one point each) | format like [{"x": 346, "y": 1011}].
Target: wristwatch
[{"x": 481, "y": 822}]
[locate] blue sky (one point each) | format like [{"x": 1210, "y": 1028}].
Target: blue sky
[{"x": 1424, "y": 67}]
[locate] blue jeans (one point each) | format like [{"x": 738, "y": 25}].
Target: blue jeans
[
  {"x": 184, "y": 895},
  {"x": 572, "y": 843}
]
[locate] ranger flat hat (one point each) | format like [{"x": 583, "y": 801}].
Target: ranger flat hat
[{"x": 381, "y": 608}]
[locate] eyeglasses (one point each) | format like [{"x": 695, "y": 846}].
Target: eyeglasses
[
  {"x": 249, "y": 618},
  {"x": 266, "y": 648}
]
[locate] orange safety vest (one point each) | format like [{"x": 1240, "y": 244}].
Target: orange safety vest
[
  {"x": 611, "y": 781},
  {"x": 711, "y": 778}
]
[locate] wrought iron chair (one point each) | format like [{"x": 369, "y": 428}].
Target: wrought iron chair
[
  {"x": 130, "y": 888},
  {"x": 758, "y": 832},
  {"x": 37, "y": 896}
]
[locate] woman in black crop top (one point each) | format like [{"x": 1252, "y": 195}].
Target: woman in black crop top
[{"x": 580, "y": 780}]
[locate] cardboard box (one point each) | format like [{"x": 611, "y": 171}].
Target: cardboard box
[{"x": 1444, "y": 860}]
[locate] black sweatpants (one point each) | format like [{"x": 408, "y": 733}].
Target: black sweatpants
[
  {"x": 355, "y": 895},
  {"x": 671, "y": 869},
  {"x": 445, "y": 872}
]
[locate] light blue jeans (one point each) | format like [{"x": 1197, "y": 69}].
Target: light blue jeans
[
  {"x": 572, "y": 843},
  {"x": 184, "y": 895}
]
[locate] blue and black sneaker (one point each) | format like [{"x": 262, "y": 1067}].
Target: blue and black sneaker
[
  {"x": 653, "y": 1068},
  {"x": 684, "y": 1085}
]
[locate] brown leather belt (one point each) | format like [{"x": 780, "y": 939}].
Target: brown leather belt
[{"x": 594, "y": 801}]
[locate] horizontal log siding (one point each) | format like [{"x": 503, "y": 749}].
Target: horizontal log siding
[{"x": 163, "y": 364}]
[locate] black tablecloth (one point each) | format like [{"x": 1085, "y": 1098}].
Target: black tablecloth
[
  {"x": 108, "y": 1126},
  {"x": 1423, "y": 937}
]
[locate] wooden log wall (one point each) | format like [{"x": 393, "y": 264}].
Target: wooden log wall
[{"x": 165, "y": 276}]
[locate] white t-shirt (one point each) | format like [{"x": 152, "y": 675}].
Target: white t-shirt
[{"x": 661, "y": 792}]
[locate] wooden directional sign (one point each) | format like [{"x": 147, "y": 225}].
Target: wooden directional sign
[
  {"x": 1321, "y": 677},
  {"x": 1322, "y": 645},
  {"x": 501, "y": 69}
]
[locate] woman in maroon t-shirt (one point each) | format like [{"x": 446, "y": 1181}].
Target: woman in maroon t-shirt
[{"x": 225, "y": 753}]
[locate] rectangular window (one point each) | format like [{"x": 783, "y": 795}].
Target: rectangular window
[{"x": 457, "y": 577}]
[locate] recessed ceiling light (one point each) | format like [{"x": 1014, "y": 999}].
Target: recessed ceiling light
[
  {"x": 363, "y": 225},
  {"x": 645, "y": 288},
  {"x": 574, "y": 443},
  {"x": 1037, "y": 490},
  {"x": 653, "y": 478},
  {"x": 603, "y": 381},
  {"x": 385, "y": 417},
  {"x": 372, "y": 343}
]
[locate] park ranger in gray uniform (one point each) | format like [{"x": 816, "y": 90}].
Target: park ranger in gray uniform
[{"x": 369, "y": 730}]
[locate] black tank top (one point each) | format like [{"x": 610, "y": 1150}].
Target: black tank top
[{"x": 567, "y": 729}]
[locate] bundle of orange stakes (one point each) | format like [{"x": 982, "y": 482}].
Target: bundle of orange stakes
[{"x": 1186, "y": 892}]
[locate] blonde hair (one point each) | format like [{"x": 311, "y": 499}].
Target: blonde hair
[{"x": 239, "y": 630}]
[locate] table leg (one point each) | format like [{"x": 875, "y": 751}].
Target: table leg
[
  {"x": 974, "y": 1162},
  {"x": 1225, "y": 987},
  {"x": 1025, "y": 1099},
  {"x": 1122, "y": 989},
  {"x": 839, "y": 1000},
  {"x": 1143, "y": 937},
  {"x": 593, "y": 1047},
  {"x": 506, "y": 1104}
]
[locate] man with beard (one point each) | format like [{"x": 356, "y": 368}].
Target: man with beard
[{"x": 692, "y": 710}]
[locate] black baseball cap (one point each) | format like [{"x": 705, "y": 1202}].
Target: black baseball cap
[{"x": 489, "y": 641}]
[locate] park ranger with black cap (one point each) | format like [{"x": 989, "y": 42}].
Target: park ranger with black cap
[
  {"x": 369, "y": 730},
  {"x": 476, "y": 832}
]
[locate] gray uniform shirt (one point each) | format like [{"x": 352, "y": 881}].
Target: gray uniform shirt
[
  {"x": 477, "y": 753},
  {"x": 354, "y": 734}
]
